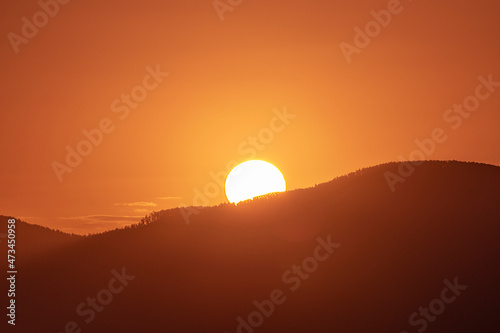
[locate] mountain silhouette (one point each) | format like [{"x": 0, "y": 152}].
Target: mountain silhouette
[{"x": 350, "y": 255}]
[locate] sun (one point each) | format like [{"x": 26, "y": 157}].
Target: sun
[{"x": 253, "y": 178}]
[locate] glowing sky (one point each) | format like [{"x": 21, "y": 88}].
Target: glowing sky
[{"x": 270, "y": 81}]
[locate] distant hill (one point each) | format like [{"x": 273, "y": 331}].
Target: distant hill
[
  {"x": 34, "y": 241},
  {"x": 371, "y": 260}
]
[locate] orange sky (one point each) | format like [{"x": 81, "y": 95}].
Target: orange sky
[{"x": 227, "y": 82}]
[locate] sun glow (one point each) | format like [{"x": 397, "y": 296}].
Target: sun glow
[{"x": 253, "y": 178}]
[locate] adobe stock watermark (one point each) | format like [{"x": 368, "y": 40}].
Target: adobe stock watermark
[
  {"x": 248, "y": 148},
  {"x": 372, "y": 29},
  {"x": 222, "y": 7},
  {"x": 29, "y": 29},
  {"x": 122, "y": 106},
  {"x": 89, "y": 308},
  {"x": 436, "y": 307},
  {"x": 292, "y": 278},
  {"x": 453, "y": 116}
]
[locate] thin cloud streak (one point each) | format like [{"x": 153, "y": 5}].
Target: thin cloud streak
[{"x": 137, "y": 204}]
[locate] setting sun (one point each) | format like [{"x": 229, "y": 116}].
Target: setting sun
[{"x": 253, "y": 178}]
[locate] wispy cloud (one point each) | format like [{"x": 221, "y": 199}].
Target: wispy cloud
[
  {"x": 86, "y": 224},
  {"x": 93, "y": 223},
  {"x": 168, "y": 198},
  {"x": 101, "y": 218},
  {"x": 137, "y": 204}
]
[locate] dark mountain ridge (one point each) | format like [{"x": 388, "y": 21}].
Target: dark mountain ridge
[{"x": 392, "y": 253}]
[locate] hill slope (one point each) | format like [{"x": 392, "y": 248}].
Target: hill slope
[{"x": 346, "y": 256}]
